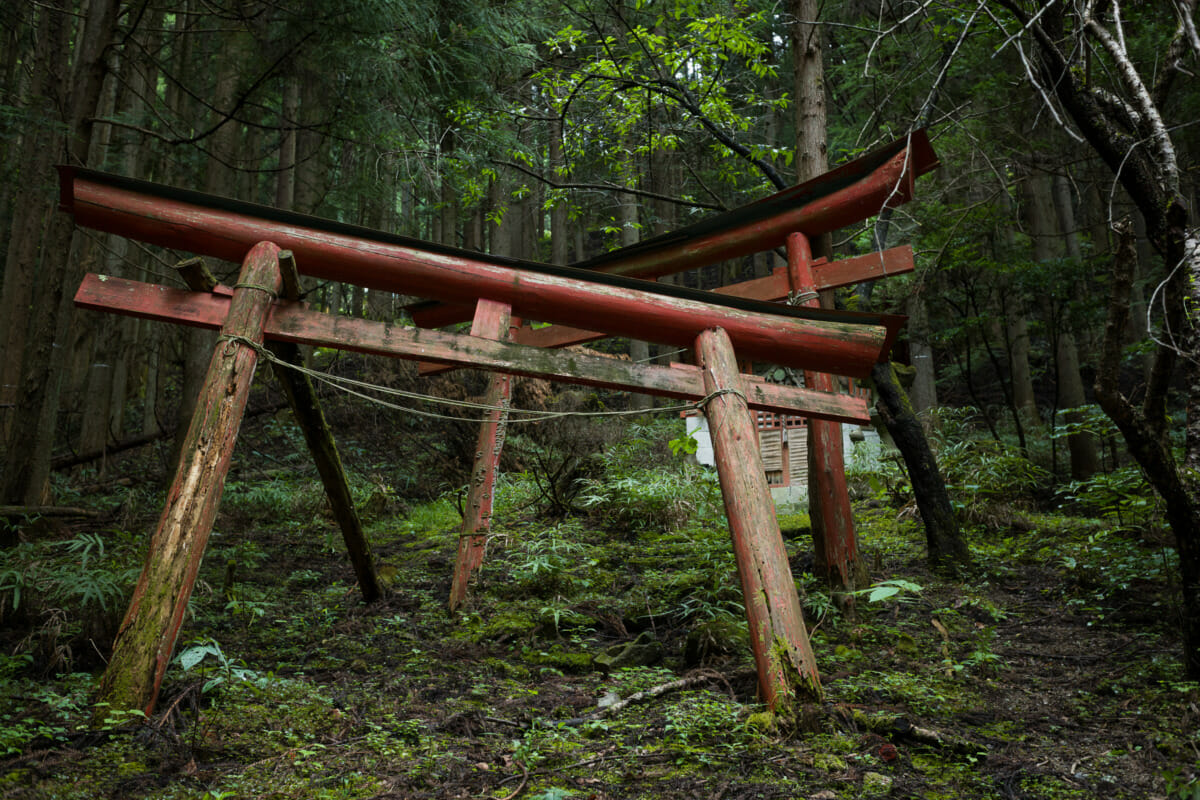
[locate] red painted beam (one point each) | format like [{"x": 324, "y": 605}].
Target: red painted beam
[
  {"x": 292, "y": 322},
  {"x": 786, "y": 339},
  {"x": 776, "y": 286}
]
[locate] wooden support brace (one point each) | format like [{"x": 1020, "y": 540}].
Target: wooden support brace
[
  {"x": 787, "y": 671},
  {"x": 306, "y": 409},
  {"x": 492, "y": 321},
  {"x": 834, "y": 540},
  {"x": 291, "y": 322},
  {"x": 146, "y": 639}
]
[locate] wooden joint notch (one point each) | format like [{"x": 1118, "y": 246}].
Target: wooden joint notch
[
  {"x": 196, "y": 275},
  {"x": 291, "y": 275}
]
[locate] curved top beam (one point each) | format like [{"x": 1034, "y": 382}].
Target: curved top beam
[{"x": 829, "y": 341}]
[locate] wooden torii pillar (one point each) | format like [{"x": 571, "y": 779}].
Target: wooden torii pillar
[
  {"x": 836, "y": 551},
  {"x": 492, "y": 321},
  {"x": 145, "y": 641},
  {"x": 787, "y": 669}
]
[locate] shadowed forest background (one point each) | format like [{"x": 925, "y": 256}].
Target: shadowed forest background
[{"x": 1051, "y": 356}]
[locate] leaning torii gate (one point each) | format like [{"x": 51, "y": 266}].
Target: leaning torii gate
[
  {"x": 836, "y": 199},
  {"x": 267, "y": 242}
]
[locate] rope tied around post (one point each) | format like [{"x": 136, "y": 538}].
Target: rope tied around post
[
  {"x": 359, "y": 388},
  {"x": 799, "y": 298},
  {"x": 259, "y": 287}
]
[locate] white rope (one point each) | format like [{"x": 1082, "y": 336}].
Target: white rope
[{"x": 359, "y": 388}]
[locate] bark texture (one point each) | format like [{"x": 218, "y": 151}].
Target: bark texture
[
  {"x": 146, "y": 639},
  {"x": 787, "y": 670},
  {"x": 946, "y": 548}
]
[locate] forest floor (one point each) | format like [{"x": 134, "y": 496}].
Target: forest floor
[{"x": 1050, "y": 671}]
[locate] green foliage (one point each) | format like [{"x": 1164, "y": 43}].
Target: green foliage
[
  {"x": 706, "y": 717},
  {"x": 205, "y": 659},
  {"x": 547, "y": 560},
  {"x": 559, "y": 455},
  {"x": 636, "y": 494},
  {"x": 1122, "y": 495},
  {"x": 684, "y": 445},
  {"x": 897, "y": 589},
  {"x": 1106, "y": 565},
  {"x": 65, "y": 592},
  {"x": 275, "y": 500},
  {"x": 36, "y": 711},
  {"x": 980, "y": 471}
]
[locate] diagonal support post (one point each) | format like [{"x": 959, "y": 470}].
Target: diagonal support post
[
  {"x": 306, "y": 410},
  {"x": 146, "y": 639},
  {"x": 492, "y": 321},
  {"x": 787, "y": 672}
]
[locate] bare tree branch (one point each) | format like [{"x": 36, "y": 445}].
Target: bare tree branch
[
  {"x": 1141, "y": 95},
  {"x": 608, "y": 187}
]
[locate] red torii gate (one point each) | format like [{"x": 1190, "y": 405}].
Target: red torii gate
[
  {"x": 720, "y": 328},
  {"x": 838, "y": 198}
]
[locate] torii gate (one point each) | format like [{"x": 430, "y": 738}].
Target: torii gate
[
  {"x": 834, "y": 200},
  {"x": 272, "y": 245}
]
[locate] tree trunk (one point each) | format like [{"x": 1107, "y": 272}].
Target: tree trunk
[
  {"x": 219, "y": 178},
  {"x": 31, "y": 439},
  {"x": 33, "y": 205},
  {"x": 1085, "y": 455},
  {"x": 1177, "y": 484},
  {"x": 639, "y": 351},
  {"x": 560, "y": 232},
  {"x": 946, "y": 548},
  {"x": 920, "y": 351}
]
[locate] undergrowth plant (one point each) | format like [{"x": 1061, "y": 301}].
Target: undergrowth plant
[
  {"x": 1122, "y": 496},
  {"x": 63, "y": 593},
  {"x": 646, "y": 487},
  {"x": 983, "y": 473}
]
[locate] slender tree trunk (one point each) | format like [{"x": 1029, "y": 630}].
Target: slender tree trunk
[
  {"x": 639, "y": 351},
  {"x": 1177, "y": 484},
  {"x": 945, "y": 546},
  {"x": 219, "y": 178},
  {"x": 560, "y": 233},
  {"x": 920, "y": 350},
  {"x": 33, "y": 206},
  {"x": 1085, "y": 456},
  {"x": 31, "y": 441}
]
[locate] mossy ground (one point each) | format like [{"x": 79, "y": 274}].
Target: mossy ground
[{"x": 1050, "y": 671}]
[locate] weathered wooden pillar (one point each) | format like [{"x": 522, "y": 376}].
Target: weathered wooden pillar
[
  {"x": 787, "y": 671},
  {"x": 492, "y": 321},
  {"x": 835, "y": 543},
  {"x": 306, "y": 409},
  {"x": 146, "y": 639}
]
